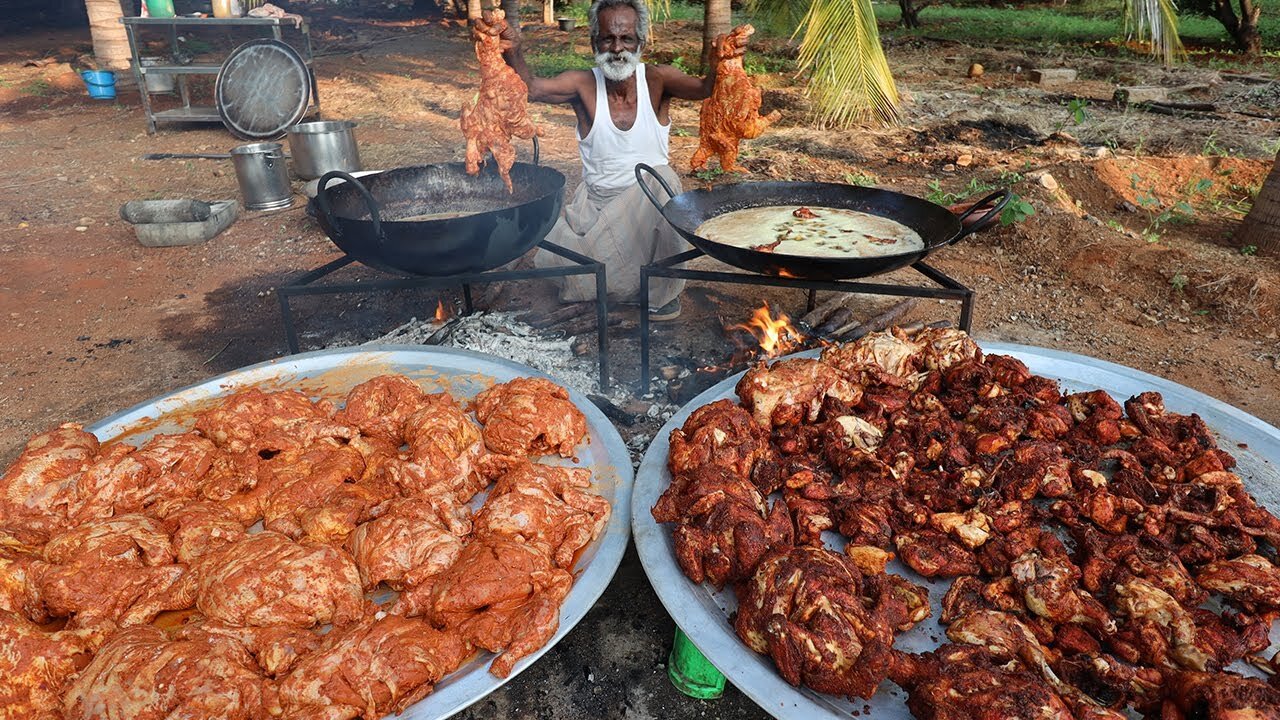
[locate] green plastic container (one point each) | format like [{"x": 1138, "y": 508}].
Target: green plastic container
[
  {"x": 160, "y": 8},
  {"x": 691, "y": 672}
]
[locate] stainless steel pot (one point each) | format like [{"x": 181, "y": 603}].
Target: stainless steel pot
[
  {"x": 322, "y": 146},
  {"x": 263, "y": 177}
]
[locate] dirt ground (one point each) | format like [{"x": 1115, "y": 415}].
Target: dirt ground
[{"x": 1110, "y": 265}]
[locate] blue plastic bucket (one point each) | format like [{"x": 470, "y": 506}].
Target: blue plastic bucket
[{"x": 101, "y": 83}]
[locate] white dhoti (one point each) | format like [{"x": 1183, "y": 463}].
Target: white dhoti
[{"x": 624, "y": 231}]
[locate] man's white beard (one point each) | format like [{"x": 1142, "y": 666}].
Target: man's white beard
[{"x": 618, "y": 66}]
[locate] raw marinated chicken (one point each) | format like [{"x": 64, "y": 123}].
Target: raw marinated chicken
[
  {"x": 38, "y": 487},
  {"x": 127, "y": 480},
  {"x": 547, "y": 507},
  {"x": 732, "y": 113},
  {"x": 275, "y": 649},
  {"x": 500, "y": 109},
  {"x": 267, "y": 579},
  {"x": 302, "y": 478},
  {"x": 35, "y": 663},
  {"x": 143, "y": 675},
  {"x": 412, "y": 541},
  {"x": 200, "y": 527},
  {"x": 118, "y": 570},
  {"x": 445, "y": 450},
  {"x": 380, "y": 406},
  {"x": 269, "y": 422},
  {"x": 369, "y": 670},
  {"x": 530, "y": 416},
  {"x": 501, "y": 595}
]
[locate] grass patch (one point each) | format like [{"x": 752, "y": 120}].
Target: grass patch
[
  {"x": 555, "y": 62},
  {"x": 1085, "y": 23}
]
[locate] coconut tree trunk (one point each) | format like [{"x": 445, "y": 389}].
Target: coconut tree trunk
[
  {"x": 110, "y": 43},
  {"x": 473, "y": 10},
  {"x": 548, "y": 12},
  {"x": 716, "y": 21},
  {"x": 1243, "y": 29},
  {"x": 1261, "y": 227},
  {"x": 512, "y": 9},
  {"x": 911, "y": 12}
]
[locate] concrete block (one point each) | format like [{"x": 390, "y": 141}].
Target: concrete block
[
  {"x": 1048, "y": 77},
  {"x": 1141, "y": 94}
]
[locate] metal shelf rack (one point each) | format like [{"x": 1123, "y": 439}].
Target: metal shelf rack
[{"x": 188, "y": 112}]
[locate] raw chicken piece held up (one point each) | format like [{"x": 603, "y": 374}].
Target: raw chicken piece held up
[
  {"x": 501, "y": 108},
  {"x": 732, "y": 113}
]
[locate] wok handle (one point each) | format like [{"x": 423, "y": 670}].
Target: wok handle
[
  {"x": 999, "y": 197},
  {"x": 649, "y": 193},
  {"x": 322, "y": 199}
]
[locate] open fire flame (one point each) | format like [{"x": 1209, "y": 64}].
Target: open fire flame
[
  {"x": 774, "y": 334},
  {"x": 443, "y": 312}
]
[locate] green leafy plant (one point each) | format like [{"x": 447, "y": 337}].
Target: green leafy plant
[
  {"x": 1178, "y": 282},
  {"x": 1018, "y": 210},
  {"x": 1249, "y": 250},
  {"x": 861, "y": 179},
  {"x": 709, "y": 174}
]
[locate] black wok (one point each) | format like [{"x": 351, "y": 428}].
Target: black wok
[
  {"x": 936, "y": 225},
  {"x": 366, "y": 217}
]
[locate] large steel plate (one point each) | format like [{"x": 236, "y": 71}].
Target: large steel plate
[
  {"x": 331, "y": 373},
  {"x": 263, "y": 87},
  {"x": 703, "y": 613}
]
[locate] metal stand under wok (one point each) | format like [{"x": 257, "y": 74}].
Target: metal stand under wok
[
  {"x": 583, "y": 266},
  {"x": 949, "y": 289}
]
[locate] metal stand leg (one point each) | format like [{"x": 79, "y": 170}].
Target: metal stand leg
[
  {"x": 644, "y": 330},
  {"x": 966, "y": 312},
  {"x": 602, "y": 326},
  {"x": 813, "y": 300},
  {"x": 467, "y": 306},
  {"x": 286, "y": 317}
]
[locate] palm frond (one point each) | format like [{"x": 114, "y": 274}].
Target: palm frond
[
  {"x": 849, "y": 76},
  {"x": 659, "y": 9},
  {"x": 1155, "y": 21},
  {"x": 780, "y": 17}
]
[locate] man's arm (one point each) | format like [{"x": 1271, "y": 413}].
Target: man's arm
[{"x": 677, "y": 84}]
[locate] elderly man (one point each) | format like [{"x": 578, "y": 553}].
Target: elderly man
[{"x": 623, "y": 109}]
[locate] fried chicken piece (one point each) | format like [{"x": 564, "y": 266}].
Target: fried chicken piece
[
  {"x": 530, "y": 416},
  {"x": 375, "y": 668},
  {"x": 267, "y": 579},
  {"x": 1158, "y": 630},
  {"x": 1110, "y": 681},
  {"x": 500, "y": 109},
  {"x": 880, "y": 358},
  {"x": 379, "y": 407},
  {"x": 38, "y": 487},
  {"x": 933, "y": 554},
  {"x": 116, "y": 570},
  {"x": 446, "y": 450},
  {"x": 724, "y": 525},
  {"x": 1250, "y": 580},
  {"x": 413, "y": 540},
  {"x": 1050, "y": 586},
  {"x": 127, "y": 480},
  {"x": 964, "y": 682},
  {"x": 1221, "y": 695},
  {"x": 34, "y": 665},
  {"x": 732, "y": 113},
  {"x": 724, "y": 434},
  {"x": 804, "y": 607},
  {"x": 501, "y": 594},
  {"x": 143, "y": 675},
  {"x": 1108, "y": 559},
  {"x": 257, "y": 421},
  {"x": 793, "y": 391},
  {"x": 547, "y": 507}
]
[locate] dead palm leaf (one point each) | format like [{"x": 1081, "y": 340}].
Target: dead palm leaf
[{"x": 1155, "y": 21}]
